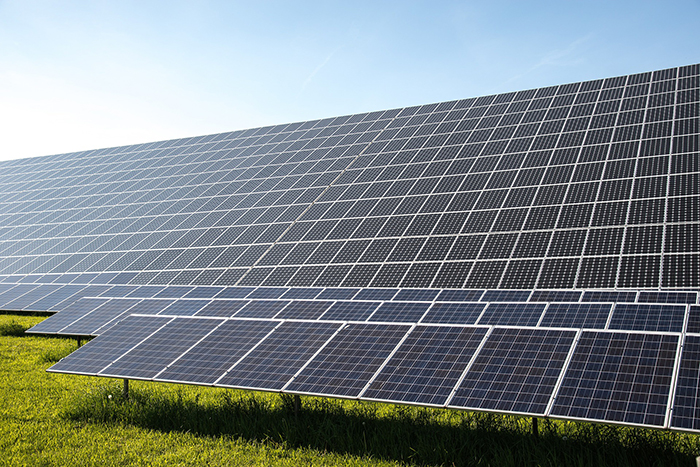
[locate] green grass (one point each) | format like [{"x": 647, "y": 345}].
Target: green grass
[{"x": 51, "y": 419}]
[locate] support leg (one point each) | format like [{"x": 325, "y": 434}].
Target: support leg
[
  {"x": 535, "y": 431},
  {"x": 125, "y": 390},
  {"x": 297, "y": 405}
]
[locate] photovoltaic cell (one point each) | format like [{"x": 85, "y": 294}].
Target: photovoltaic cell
[
  {"x": 638, "y": 317},
  {"x": 515, "y": 371},
  {"x": 577, "y": 315},
  {"x": 215, "y": 354},
  {"x": 304, "y": 309},
  {"x": 427, "y": 365},
  {"x": 104, "y": 314},
  {"x": 454, "y": 313},
  {"x": 69, "y": 315},
  {"x": 350, "y": 311},
  {"x": 159, "y": 350},
  {"x": 94, "y": 356},
  {"x": 273, "y": 363},
  {"x": 512, "y": 314},
  {"x": 686, "y": 405},
  {"x": 618, "y": 377},
  {"x": 350, "y": 359},
  {"x": 400, "y": 312}
]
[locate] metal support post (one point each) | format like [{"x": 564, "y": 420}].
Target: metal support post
[
  {"x": 535, "y": 431},
  {"x": 125, "y": 390}
]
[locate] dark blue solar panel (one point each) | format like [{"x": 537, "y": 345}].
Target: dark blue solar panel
[
  {"x": 351, "y": 358},
  {"x": 14, "y": 293},
  {"x": 51, "y": 301},
  {"x": 261, "y": 309},
  {"x": 618, "y": 377},
  {"x": 486, "y": 202},
  {"x": 633, "y": 317},
  {"x": 375, "y": 294},
  {"x": 94, "y": 356},
  {"x": 23, "y": 301},
  {"x": 70, "y": 314},
  {"x": 185, "y": 307},
  {"x": 427, "y": 365},
  {"x": 512, "y": 314},
  {"x": 350, "y": 311},
  {"x": 222, "y": 308},
  {"x": 173, "y": 292},
  {"x": 400, "y": 312},
  {"x": 338, "y": 294},
  {"x": 667, "y": 297},
  {"x": 609, "y": 296},
  {"x": 515, "y": 371},
  {"x": 203, "y": 292},
  {"x": 207, "y": 361},
  {"x": 304, "y": 309},
  {"x": 577, "y": 315},
  {"x": 454, "y": 313},
  {"x": 686, "y": 404},
  {"x": 235, "y": 292},
  {"x": 301, "y": 294},
  {"x": 505, "y": 296},
  {"x": 273, "y": 363},
  {"x": 146, "y": 291},
  {"x": 416, "y": 295},
  {"x": 694, "y": 319},
  {"x": 154, "y": 354},
  {"x": 267, "y": 292},
  {"x": 555, "y": 296},
  {"x": 123, "y": 278},
  {"x": 449, "y": 295},
  {"x": 105, "y": 313}
]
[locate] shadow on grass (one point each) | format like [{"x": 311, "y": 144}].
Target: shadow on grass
[
  {"x": 13, "y": 329},
  {"x": 401, "y": 433}
]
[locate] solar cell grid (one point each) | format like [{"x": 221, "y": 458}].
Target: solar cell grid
[
  {"x": 349, "y": 361},
  {"x": 160, "y": 349},
  {"x": 426, "y": 366},
  {"x": 515, "y": 371},
  {"x": 207, "y": 361},
  {"x": 97, "y": 354},
  {"x": 272, "y": 363},
  {"x": 618, "y": 377},
  {"x": 512, "y": 314},
  {"x": 640, "y": 317},
  {"x": 100, "y": 317}
]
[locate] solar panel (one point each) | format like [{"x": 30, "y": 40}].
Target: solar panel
[
  {"x": 159, "y": 350},
  {"x": 427, "y": 366},
  {"x": 275, "y": 361},
  {"x": 516, "y": 371},
  {"x": 518, "y": 238},
  {"x": 619, "y": 377},
  {"x": 207, "y": 361},
  {"x": 347, "y": 363},
  {"x": 96, "y": 355}
]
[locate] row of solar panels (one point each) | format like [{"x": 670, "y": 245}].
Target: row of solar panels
[
  {"x": 93, "y": 316},
  {"x": 607, "y": 376},
  {"x": 536, "y": 99},
  {"x": 74, "y": 191},
  {"x": 91, "y": 309}
]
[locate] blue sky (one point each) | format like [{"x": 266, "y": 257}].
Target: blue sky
[{"x": 82, "y": 75}]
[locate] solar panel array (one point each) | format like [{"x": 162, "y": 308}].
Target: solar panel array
[{"x": 534, "y": 252}]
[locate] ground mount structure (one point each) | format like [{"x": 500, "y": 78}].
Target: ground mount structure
[{"x": 534, "y": 253}]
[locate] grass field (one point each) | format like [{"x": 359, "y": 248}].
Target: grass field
[{"x": 50, "y": 419}]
